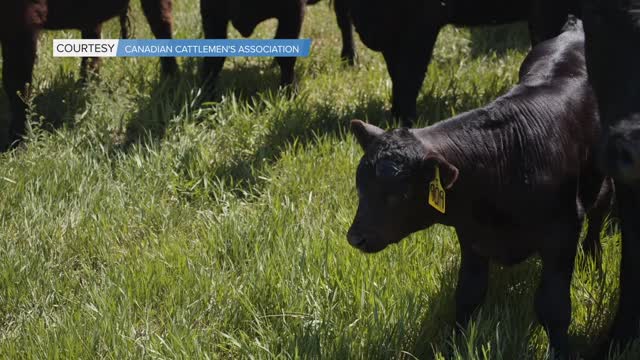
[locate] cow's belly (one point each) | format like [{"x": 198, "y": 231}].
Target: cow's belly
[
  {"x": 17, "y": 16},
  {"x": 247, "y": 14},
  {"x": 247, "y": 24},
  {"x": 79, "y": 14},
  {"x": 488, "y": 12}
]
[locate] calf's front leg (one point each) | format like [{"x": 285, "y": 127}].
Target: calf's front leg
[
  {"x": 553, "y": 297},
  {"x": 473, "y": 279}
]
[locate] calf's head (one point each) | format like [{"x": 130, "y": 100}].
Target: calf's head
[
  {"x": 612, "y": 30},
  {"x": 393, "y": 180}
]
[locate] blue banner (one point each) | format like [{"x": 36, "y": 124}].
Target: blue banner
[{"x": 214, "y": 48}]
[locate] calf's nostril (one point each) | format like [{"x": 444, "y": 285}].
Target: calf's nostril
[{"x": 355, "y": 240}]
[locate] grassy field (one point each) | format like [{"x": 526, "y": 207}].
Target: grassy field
[{"x": 140, "y": 222}]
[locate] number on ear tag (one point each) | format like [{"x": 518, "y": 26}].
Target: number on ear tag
[{"x": 437, "y": 196}]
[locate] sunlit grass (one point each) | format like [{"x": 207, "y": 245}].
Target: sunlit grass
[{"x": 138, "y": 221}]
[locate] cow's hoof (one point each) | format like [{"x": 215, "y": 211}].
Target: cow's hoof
[
  {"x": 169, "y": 68},
  {"x": 290, "y": 88},
  {"x": 349, "y": 58}
]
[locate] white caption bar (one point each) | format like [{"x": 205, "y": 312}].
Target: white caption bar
[{"x": 85, "y": 48}]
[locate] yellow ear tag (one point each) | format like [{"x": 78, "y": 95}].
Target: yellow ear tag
[{"x": 437, "y": 196}]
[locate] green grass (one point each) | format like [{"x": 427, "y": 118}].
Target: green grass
[{"x": 138, "y": 223}]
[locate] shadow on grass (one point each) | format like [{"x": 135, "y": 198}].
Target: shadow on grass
[
  {"x": 166, "y": 100},
  {"x": 499, "y": 39},
  {"x": 186, "y": 91},
  {"x": 255, "y": 86},
  {"x": 54, "y": 104},
  {"x": 246, "y": 80},
  {"x": 292, "y": 119},
  {"x": 433, "y": 108},
  {"x": 298, "y": 124},
  {"x": 501, "y": 327},
  {"x": 59, "y": 103}
]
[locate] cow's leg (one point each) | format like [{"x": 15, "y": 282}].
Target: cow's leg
[
  {"x": 159, "y": 16},
  {"x": 596, "y": 215},
  {"x": 553, "y": 298},
  {"x": 18, "y": 58},
  {"x": 215, "y": 19},
  {"x": 407, "y": 74},
  {"x": 289, "y": 26},
  {"x": 90, "y": 65},
  {"x": 546, "y": 19},
  {"x": 125, "y": 24},
  {"x": 627, "y": 321},
  {"x": 473, "y": 278},
  {"x": 344, "y": 23}
]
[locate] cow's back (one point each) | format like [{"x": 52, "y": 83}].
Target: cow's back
[
  {"x": 19, "y": 15},
  {"x": 78, "y": 14},
  {"x": 487, "y": 12}
]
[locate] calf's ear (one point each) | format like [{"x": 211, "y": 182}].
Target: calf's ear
[
  {"x": 365, "y": 133},
  {"x": 448, "y": 172}
]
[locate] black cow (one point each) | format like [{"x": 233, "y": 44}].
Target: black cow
[
  {"x": 507, "y": 176},
  {"x": 245, "y": 15},
  {"x": 22, "y": 20},
  {"x": 612, "y": 30},
  {"x": 405, "y": 31}
]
